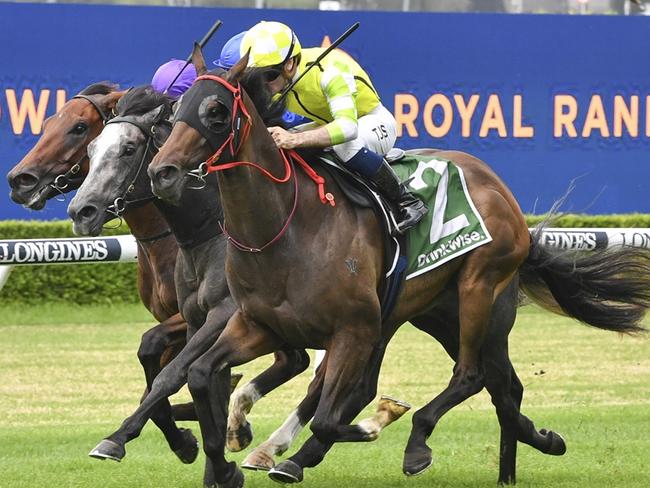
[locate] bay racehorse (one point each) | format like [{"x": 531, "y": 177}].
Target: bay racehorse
[
  {"x": 119, "y": 156},
  {"x": 287, "y": 271},
  {"x": 117, "y": 180}
]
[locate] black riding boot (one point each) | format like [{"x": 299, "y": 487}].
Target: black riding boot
[{"x": 410, "y": 208}]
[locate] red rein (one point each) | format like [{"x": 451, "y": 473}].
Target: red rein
[{"x": 238, "y": 106}]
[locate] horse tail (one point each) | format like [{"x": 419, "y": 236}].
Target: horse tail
[{"x": 605, "y": 288}]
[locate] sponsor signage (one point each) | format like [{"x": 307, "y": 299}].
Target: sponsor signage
[
  {"x": 52, "y": 251},
  {"x": 543, "y": 99}
]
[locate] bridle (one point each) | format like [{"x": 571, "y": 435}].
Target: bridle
[
  {"x": 121, "y": 203},
  {"x": 237, "y": 136},
  {"x": 235, "y": 140},
  {"x": 63, "y": 181}
]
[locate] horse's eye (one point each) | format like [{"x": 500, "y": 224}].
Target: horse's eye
[
  {"x": 129, "y": 151},
  {"x": 214, "y": 111},
  {"x": 79, "y": 129}
]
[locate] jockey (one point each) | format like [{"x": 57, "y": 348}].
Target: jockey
[
  {"x": 339, "y": 97},
  {"x": 230, "y": 54},
  {"x": 167, "y": 72}
]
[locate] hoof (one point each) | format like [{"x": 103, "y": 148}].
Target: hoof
[
  {"x": 236, "y": 479},
  {"x": 416, "y": 463},
  {"x": 258, "y": 460},
  {"x": 190, "y": 450},
  {"x": 557, "y": 446},
  {"x": 107, "y": 449},
  {"x": 240, "y": 439},
  {"x": 396, "y": 407},
  {"x": 235, "y": 378},
  {"x": 286, "y": 472}
]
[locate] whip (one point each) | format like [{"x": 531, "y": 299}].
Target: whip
[{"x": 204, "y": 41}]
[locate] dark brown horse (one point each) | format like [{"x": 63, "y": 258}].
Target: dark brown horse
[
  {"x": 297, "y": 289},
  {"x": 119, "y": 156}
]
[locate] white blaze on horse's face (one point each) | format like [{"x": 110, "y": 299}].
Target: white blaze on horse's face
[{"x": 112, "y": 157}]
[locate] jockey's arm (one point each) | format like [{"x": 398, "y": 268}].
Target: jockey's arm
[{"x": 339, "y": 88}]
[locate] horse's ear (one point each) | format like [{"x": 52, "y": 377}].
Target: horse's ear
[
  {"x": 238, "y": 70},
  {"x": 159, "y": 113},
  {"x": 198, "y": 60},
  {"x": 110, "y": 100}
]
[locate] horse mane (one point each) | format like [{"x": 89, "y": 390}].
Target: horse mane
[
  {"x": 100, "y": 88},
  {"x": 257, "y": 89},
  {"x": 141, "y": 100}
]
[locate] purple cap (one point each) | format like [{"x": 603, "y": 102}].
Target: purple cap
[{"x": 167, "y": 72}]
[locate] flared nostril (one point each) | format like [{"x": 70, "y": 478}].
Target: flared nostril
[
  {"x": 166, "y": 173},
  {"x": 88, "y": 212},
  {"x": 23, "y": 181}
]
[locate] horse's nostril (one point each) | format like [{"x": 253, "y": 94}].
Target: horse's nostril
[
  {"x": 88, "y": 212},
  {"x": 167, "y": 172},
  {"x": 23, "y": 181}
]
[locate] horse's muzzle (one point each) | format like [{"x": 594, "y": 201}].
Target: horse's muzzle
[
  {"x": 86, "y": 219},
  {"x": 166, "y": 182},
  {"x": 23, "y": 186}
]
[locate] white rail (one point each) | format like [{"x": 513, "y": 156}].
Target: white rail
[
  {"x": 27, "y": 252},
  {"x": 596, "y": 238}
]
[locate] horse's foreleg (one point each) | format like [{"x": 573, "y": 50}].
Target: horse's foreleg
[
  {"x": 262, "y": 457},
  {"x": 159, "y": 345},
  {"x": 287, "y": 365},
  {"x": 209, "y": 384},
  {"x": 168, "y": 382}
]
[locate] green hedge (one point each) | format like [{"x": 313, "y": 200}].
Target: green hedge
[
  {"x": 78, "y": 284},
  {"x": 578, "y": 220},
  {"x": 116, "y": 283}
]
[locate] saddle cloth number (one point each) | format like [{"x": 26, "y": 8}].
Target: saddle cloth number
[{"x": 439, "y": 228}]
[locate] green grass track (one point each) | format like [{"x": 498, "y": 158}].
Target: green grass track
[{"x": 68, "y": 377}]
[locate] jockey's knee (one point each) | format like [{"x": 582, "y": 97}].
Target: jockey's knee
[{"x": 365, "y": 162}]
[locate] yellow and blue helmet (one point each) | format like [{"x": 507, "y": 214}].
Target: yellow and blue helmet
[{"x": 270, "y": 44}]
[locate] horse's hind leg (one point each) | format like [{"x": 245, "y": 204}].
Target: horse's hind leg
[
  {"x": 262, "y": 457},
  {"x": 313, "y": 451},
  {"x": 158, "y": 347},
  {"x": 506, "y": 392},
  {"x": 287, "y": 365},
  {"x": 475, "y": 304},
  {"x": 545, "y": 441}
]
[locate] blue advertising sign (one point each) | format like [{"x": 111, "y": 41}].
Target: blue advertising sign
[{"x": 542, "y": 99}]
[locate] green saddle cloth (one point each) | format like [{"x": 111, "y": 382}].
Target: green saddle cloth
[{"x": 452, "y": 226}]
